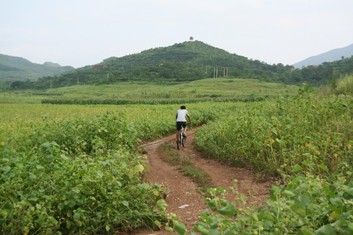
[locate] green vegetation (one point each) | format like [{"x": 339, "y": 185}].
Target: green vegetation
[
  {"x": 307, "y": 141},
  {"x": 75, "y": 177},
  {"x": 283, "y": 135},
  {"x": 322, "y": 74},
  {"x": 344, "y": 86},
  {"x": 76, "y": 168},
  {"x": 306, "y": 205}
]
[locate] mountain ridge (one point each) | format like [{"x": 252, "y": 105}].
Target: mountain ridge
[
  {"x": 18, "y": 68},
  {"x": 329, "y": 56}
]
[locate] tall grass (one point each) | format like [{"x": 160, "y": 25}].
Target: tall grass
[{"x": 345, "y": 86}]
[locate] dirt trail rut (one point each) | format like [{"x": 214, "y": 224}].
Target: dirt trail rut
[{"x": 183, "y": 197}]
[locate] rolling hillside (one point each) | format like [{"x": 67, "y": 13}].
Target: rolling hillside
[{"x": 16, "y": 68}]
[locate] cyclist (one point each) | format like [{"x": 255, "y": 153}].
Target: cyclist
[{"x": 181, "y": 115}]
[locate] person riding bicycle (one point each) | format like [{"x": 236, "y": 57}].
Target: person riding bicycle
[{"x": 181, "y": 115}]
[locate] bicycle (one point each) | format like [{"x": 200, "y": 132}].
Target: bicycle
[{"x": 181, "y": 138}]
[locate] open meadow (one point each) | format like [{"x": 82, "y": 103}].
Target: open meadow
[{"x": 76, "y": 169}]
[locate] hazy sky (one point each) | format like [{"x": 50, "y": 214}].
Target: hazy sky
[{"x": 85, "y": 32}]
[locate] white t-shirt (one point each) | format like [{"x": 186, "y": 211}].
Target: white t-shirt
[{"x": 181, "y": 115}]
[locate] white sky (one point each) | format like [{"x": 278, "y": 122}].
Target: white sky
[{"x": 85, "y": 32}]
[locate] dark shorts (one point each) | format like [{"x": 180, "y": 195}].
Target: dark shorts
[{"x": 179, "y": 125}]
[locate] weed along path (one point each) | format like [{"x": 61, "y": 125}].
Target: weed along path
[{"x": 175, "y": 169}]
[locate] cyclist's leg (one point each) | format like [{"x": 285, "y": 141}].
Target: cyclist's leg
[
  {"x": 184, "y": 126},
  {"x": 178, "y": 127}
]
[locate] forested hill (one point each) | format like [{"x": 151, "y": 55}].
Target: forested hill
[
  {"x": 187, "y": 61},
  {"x": 191, "y": 60},
  {"x": 16, "y": 68}
]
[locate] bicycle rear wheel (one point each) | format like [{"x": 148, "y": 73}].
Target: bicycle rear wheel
[{"x": 180, "y": 141}]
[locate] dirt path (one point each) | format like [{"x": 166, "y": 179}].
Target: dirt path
[{"x": 183, "y": 197}]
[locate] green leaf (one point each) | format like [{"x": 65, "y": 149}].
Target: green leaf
[
  {"x": 3, "y": 214},
  {"x": 265, "y": 215},
  {"x": 305, "y": 231},
  {"x": 228, "y": 210},
  {"x": 158, "y": 223},
  {"x": 162, "y": 205},
  {"x": 350, "y": 227},
  {"x": 201, "y": 229},
  {"x": 299, "y": 209},
  {"x": 99, "y": 174},
  {"x": 325, "y": 230},
  {"x": 5, "y": 169},
  {"x": 139, "y": 168},
  {"x": 288, "y": 193},
  {"x": 214, "y": 232},
  {"x": 297, "y": 168},
  {"x": 274, "y": 192},
  {"x": 336, "y": 202},
  {"x": 274, "y": 131},
  {"x": 39, "y": 167},
  {"x": 179, "y": 227},
  {"x": 125, "y": 203},
  {"x": 323, "y": 167}
]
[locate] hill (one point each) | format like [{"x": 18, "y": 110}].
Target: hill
[
  {"x": 329, "y": 56},
  {"x": 16, "y": 68},
  {"x": 187, "y": 61}
]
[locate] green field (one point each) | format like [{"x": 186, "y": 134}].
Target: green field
[
  {"x": 23, "y": 110},
  {"x": 202, "y": 89},
  {"x": 76, "y": 169}
]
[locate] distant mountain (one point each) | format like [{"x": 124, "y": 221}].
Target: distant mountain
[
  {"x": 330, "y": 56},
  {"x": 16, "y": 68},
  {"x": 186, "y": 61}
]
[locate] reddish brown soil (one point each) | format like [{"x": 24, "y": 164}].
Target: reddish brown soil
[{"x": 183, "y": 197}]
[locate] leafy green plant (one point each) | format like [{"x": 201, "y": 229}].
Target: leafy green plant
[
  {"x": 274, "y": 137},
  {"x": 306, "y": 205},
  {"x": 79, "y": 176}
]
